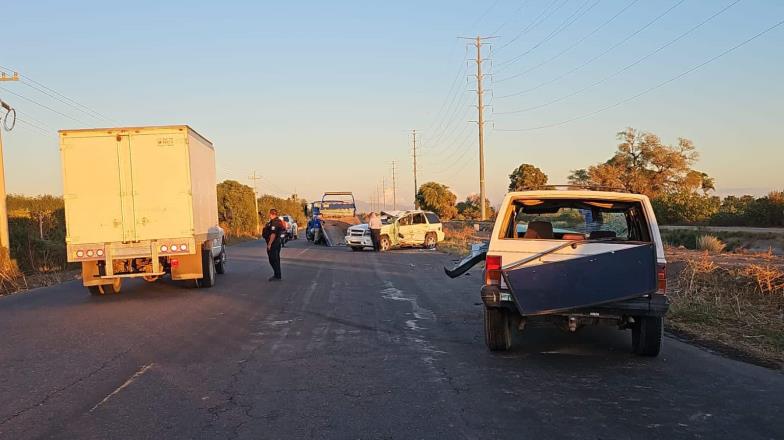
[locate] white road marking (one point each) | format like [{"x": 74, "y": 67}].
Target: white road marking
[{"x": 127, "y": 383}]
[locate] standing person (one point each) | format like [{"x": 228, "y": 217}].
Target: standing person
[
  {"x": 374, "y": 223},
  {"x": 272, "y": 234}
]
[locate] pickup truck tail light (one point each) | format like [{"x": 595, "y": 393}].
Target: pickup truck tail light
[
  {"x": 493, "y": 270},
  {"x": 661, "y": 279}
]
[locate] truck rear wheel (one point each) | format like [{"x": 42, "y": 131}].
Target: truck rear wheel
[
  {"x": 647, "y": 334},
  {"x": 208, "y": 269},
  {"x": 220, "y": 266},
  {"x": 105, "y": 289},
  {"x": 498, "y": 333}
]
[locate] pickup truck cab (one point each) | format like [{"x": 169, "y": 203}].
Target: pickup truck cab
[
  {"x": 400, "y": 229},
  {"x": 573, "y": 258}
]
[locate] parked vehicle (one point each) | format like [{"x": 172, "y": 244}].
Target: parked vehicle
[
  {"x": 292, "y": 230},
  {"x": 573, "y": 258},
  {"x": 400, "y": 229},
  {"x": 140, "y": 202}
]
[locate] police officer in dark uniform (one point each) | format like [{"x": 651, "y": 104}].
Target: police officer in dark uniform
[{"x": 271, "y": 233}]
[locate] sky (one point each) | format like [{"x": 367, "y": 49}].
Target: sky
[{"x": 322, "y": 96}]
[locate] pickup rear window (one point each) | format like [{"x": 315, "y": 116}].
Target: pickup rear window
[{"x": 575, "y": 219}]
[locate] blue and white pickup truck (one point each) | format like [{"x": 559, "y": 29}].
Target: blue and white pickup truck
[{"x": 574, "y": 258}]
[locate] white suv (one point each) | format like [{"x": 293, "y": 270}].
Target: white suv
[{"x": 574, "y": 257}]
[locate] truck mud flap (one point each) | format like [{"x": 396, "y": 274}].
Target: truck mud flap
[
  {"x": 477, "y": 255},
  {"x": 583, "y": 281}
]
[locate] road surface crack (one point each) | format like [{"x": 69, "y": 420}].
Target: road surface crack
[{"x": 57, "y": 391}]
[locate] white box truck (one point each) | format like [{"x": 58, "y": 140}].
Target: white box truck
[{"x": 141, "y": 202}]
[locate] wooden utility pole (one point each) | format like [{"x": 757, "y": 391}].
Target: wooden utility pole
[
  {"x": 416, "y": 187},
  {"x": 253, "y": 179},
  {"x": 4, "y": 242},
  {"x": 394, "y": 188}
]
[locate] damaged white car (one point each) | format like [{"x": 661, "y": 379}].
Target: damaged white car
[{"x": 575, "y": 258}]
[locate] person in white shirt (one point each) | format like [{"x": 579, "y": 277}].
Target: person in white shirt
[{"x": 374, "y": 223}]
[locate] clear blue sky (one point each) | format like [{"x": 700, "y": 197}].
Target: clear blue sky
[{"x": 319, "y": 96}]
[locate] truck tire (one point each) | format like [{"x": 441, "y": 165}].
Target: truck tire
[
  {"x": 106, "y": 288},
  {"x": 385, "y": 244},
  {"x": 498, "y": 333},
  {"x": 647, "y": 333},
  {"x": 430, "y": 240},
  {"x": 208, "y": 269},
  {"x": 220, "y": 266}
]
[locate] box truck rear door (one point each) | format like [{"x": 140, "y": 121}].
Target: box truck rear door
[
  {"x": 92, "y": 189},
  {"x": 161, "y": 185},
  {"x": 583, "y": 281}
]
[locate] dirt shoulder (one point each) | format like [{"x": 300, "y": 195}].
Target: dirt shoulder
[{"x": 729, "y": 303}]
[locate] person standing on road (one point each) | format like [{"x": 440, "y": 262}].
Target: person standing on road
[
  {"x": 374, "y": 223},
  {"x": 272, "y": 234}
]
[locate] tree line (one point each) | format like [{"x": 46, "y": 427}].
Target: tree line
[{"x": 643, "y": 164}]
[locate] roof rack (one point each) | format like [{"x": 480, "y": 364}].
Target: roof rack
[{"x": 578, "y": 186}]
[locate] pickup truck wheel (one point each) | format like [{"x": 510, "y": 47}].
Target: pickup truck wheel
[
  {"x": 647, "y": 334},
  {"x": 430, "y": 241},
  {"x": 498, "y": 333},
  {"x": 385, "y": 244},
  {"x": 220, "y": 266},
  {"x": 208, "y": 269}
]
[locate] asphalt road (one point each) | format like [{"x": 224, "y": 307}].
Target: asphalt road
[{"x": 349, "y": 345}]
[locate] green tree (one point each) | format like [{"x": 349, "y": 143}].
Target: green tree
[
  {"x": 469, "y": 209},
  {"x": 292, "y": 206},
  {"x": 433, "y": 196},
  {"x": 579, "y": 177},
  {"x": 236, "y": 208},
  {"x": 644, "y": 164},
  {"x": 525, "y": 177}
]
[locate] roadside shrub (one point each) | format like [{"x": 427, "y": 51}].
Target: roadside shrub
[{"x": 710, "y": 243}]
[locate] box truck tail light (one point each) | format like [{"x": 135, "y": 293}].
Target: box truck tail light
[
  {"x": 661, "y": 279},
  {"x": 493, "y": 270},
  {"x": 183, "y": 247},
  {"x": 164, "y": 248},
  {"x": 99, "y": 252},
  {"x": 90, "y": 253},
  {"x": 80, "y": 254},
  {"x": 174, "y": 248}
]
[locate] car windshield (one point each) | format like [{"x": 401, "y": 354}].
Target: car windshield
[
  {"x": 578, "y": 220},
  {"x": 432, "y": 218}
]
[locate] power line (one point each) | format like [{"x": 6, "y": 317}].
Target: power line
[
  {"x": 578, "y": 14},
  {"x": 520, "y": 8},
  {"x": 605, "y": 52},
  {"x": 30, "y": 82},
  {"x": 536, "y": 22},
  {"x": 625, "y": 68},
  {"x": 572, "y": 46},
  {"x": 650, "y": 89},
  {"x": 43, "y": 106}
]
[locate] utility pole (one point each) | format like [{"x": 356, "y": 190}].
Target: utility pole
[
  {"x": 394, "y": 188},
  {"x": 253, "y": 179},
  {"x": 477, "y": 41},
  {"x": 4, "y": 242},
  {"x": 416, "y": 187}
]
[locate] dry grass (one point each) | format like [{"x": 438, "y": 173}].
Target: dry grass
[
  {"x": 739, "y": 306},
  {"x": 458, "y": 241},
  {"x": 710, "y": 243}
]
